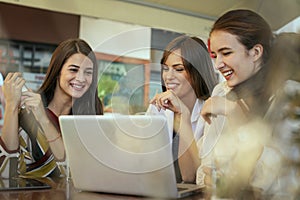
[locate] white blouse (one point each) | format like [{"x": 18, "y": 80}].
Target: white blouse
[
  {"x": 227, "y": 149},
  {"x": 196, "y": 120}
]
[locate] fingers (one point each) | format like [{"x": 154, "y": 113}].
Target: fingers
[
  {"x": 206, "y": 115},
  {"x": 14, "y": 80},
  {"x": 206, "y": 111},
  {"x": 161, "y": 101},
  {"x": 167, "y": 100},
  {"x": 206, "y": 118},
  {"x": 13, "y": 76},
  {"x": 12, "y": 89},
  {"x": 215, "y": 106},
  {"x": 31, "y": 100}
]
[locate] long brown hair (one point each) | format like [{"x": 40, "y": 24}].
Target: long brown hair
[
  {"x": 89, "y": 103},
  {"x": 197, "y": 63}
]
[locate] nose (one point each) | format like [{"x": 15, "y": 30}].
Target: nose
[
  {"x": 80, "y": 76},
  {"x": 219, "y": 64},
  {"x": 169, "y": 74}
]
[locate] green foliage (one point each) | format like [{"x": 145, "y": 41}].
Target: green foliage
[{"x": 107, "y": 85}]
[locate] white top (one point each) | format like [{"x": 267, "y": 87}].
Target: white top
[
  {"x": 196, "y": 120},
  {"x": 247, "y": 145},
  {"x": 1, "y": 79}
]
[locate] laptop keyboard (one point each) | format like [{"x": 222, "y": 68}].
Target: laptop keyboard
[{"x": 181, "y": 189}]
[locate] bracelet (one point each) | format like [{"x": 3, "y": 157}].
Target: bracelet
[{"x": 53, "y": 140}]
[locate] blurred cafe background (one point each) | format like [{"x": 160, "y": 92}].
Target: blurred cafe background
[{"x": 128, "y": 37}]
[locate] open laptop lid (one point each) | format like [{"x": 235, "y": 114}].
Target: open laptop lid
[{"x": 120, "y": 154}]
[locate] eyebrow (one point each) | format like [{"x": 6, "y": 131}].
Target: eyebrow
[
  {"x": 224, "y": 48},
  {"x": 177, "y": 64},
  {"x": 73, "y": 65}
]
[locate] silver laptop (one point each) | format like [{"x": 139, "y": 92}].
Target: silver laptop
[
  {"x": 122, "y": 154},
  {"x": 18, "y": 183}
]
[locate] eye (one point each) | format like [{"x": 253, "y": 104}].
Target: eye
[
  {"x": 226, "y": 53},
  {"x": 89, "y": 72},
  {"x": 73, "y": 69},
  {"x": 165, "y": 68},
  {"x": 179, "y": 69}
]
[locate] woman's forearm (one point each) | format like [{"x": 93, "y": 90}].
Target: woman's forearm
[
  {"x": 54, "y": 138},
  {"x": 188, "y": 157},
  {"x": 10, "y": 130},
  {"x": 188, "y": 161}
]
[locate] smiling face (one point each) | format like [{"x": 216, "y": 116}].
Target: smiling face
[
  {"x": 76, "y": 75},
  {"x": 176, "y": 77},
  {"x": 232, "y": 59}
]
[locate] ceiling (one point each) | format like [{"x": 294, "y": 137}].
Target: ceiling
[{"x": 277, "y": 12}]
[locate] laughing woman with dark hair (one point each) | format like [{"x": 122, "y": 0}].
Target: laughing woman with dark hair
[
  {"x": 239, "y": 153},
  {"x": 187, "y": 76},
  {"x": 31, "y": 130},
  {"x": 235, "y": 153}
]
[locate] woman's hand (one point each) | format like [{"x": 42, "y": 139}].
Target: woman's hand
[
  {"x": 32, "y": 102},
  {"x": 12, "y": 87},
  {"x": 236, "y": 111},
  {"x": 217, "y": 105},
  {"x": 168, "y": 100}
]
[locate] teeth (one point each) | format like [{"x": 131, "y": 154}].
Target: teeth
[
  {"x": 228, "y": 73},
  {"x": 171, "y": 85},
  {"x": 78, "y": 86}
]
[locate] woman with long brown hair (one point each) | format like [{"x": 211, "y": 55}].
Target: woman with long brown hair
[{"x": 31, "y": 130}]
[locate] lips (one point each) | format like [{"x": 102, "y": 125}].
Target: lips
[
  {"x": 227, "y": 74},
  {"x": 77, "y": 86},
  {"x": 171, "y": 86}
]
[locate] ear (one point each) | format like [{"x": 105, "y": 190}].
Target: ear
[{"x": 257, "y": 52}]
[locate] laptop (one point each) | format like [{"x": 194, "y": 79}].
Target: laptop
[
  {"x": 122, "y": 154},
  {"x": 18, "y": 183}
]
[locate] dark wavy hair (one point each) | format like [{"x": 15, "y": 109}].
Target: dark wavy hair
[
  {"x": 197, "y": 63},
  {"x": 89, "y": 103},
  {"x": 249, "y": 27}
]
